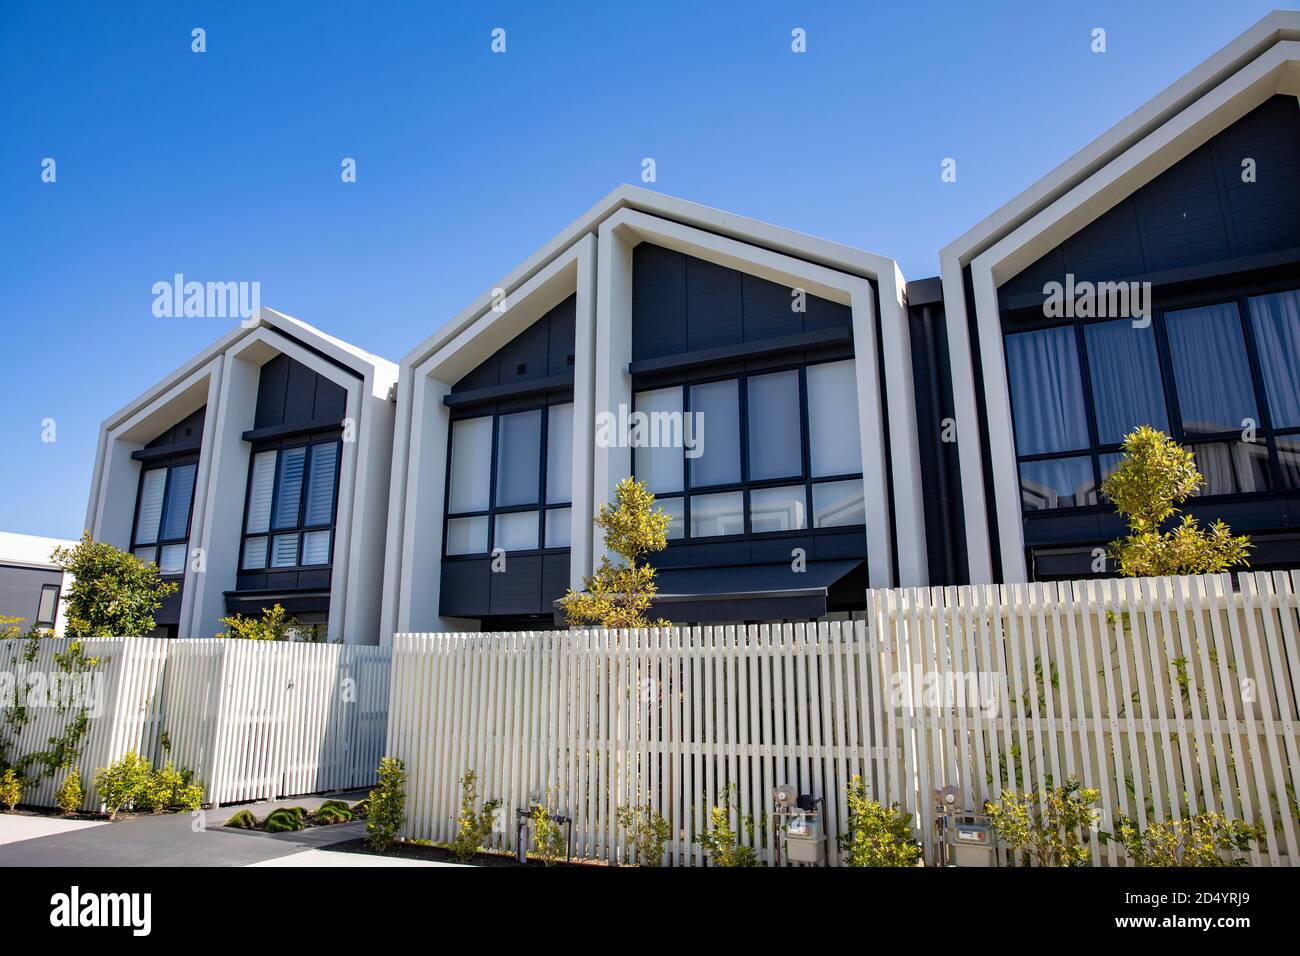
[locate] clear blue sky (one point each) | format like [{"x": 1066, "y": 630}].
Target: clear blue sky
[{"x": 225, "y": 165}]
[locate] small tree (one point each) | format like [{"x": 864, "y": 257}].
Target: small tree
[
  {"x": 721, "y": 842},
  {"x": 1156, "y": 475},
  {"x": 273, "y": 625},
  {"x": 386, "y": 810},
  {"x": 1207, "y": 839},
  {"x": 620, "y": 594},
  {"x": 112, "y": 593},
  {"x": 11, "y": 788},
  {"x": 1046, "y": 827},
  {"x": 472, "y": 826},
  {"x": 550, "y": 839},
  {"x": 69, "y": 795},
  {"x": 647, "y": 832},
  {"x": 877, "y": 835}
]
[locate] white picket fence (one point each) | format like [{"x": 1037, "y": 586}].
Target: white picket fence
[
  {"x": 252, "y": 719},
  {"x": 1169, "y": 696}
]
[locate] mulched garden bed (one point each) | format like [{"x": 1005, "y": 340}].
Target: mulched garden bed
[{"x": 437, "y": 854}]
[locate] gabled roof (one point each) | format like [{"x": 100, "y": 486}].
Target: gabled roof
[
  {"x": 340, "y": 351},
  {"x": 821, "y": 251},
  {"x": 1277, "y": 26}
]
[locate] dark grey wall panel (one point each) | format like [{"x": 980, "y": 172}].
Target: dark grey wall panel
[
  {"x": 940, "y": 466},
  {"x": 684, "y": 304},
  {"x": 1198, "y": 211},
  {"x": 544, "y": 348},
  {"x": 20, "y": 591},
  {"x": 289, "y": 393},
  {"x": 529, "y": 585},
  {"x": 185, "y": 434}
]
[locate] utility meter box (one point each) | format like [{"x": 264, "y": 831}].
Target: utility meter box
[
  {"x": 970, "y": 840},
  {"x": 805, "y": 842}
]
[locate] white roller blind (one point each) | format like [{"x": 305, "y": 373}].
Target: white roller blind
[
  {"x": 833, "y": 441},
  {"x": 260, "y": 492},
  {"x": 151, "y": 503},
  {"x": 559, "y": 454},
  {"x": 471, "y": 465},
  {"x": 658, "y": 462}
]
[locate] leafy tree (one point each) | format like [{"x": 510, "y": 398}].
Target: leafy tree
[
  {"x": 620, "y": 593},
  {"x": 11, "y": 788},
  {"x": 472, "y": 826},
  {"x": 647, "y": 832},
  {"x": 550, "y": 838},
  {"x": 1047, "y": 826},
  {"x": 1207, "y": 839},
  {"x": 1156, "y": 475},
  {"x": 386, "y": 810},
  {"x": 69, "y": 795},
  {"x": 273, "y": 625},
  {"x": 112, "y": 593},
  {"x": 877, "y": 835},
  {"x": 721, "y": 842}
]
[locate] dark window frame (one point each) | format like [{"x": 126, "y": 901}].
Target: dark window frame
[
  {"x": 542, "y": 403},
  {"x": 37, "y": 620},
  {"x": 169, "y": 464},
  {"x": 1265, "y": 434},
  {"x": 688, "y": 378},
  {"x": 300, "y": 528}
]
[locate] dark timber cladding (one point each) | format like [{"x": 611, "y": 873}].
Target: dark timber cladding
[
  {"x": 1205, "y": 234},
  {"x": 295, "y": 404},
  {"x": 534, "y": 370}
]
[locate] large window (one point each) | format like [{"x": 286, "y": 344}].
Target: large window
[
  {"x": 1213, "y": 376},
  {"x": 162, "y": 515},
  {"x": 510, "y": 480},
  {"x": 290, "y": 506},
  {"x": 763, "y": 453}
]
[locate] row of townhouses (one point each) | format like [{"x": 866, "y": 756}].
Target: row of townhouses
[{"x": 815, "y": 423}]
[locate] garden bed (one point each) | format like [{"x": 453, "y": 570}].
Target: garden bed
[{"x": 409, "y": 850}]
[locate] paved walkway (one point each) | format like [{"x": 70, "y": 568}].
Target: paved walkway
[{"x": 180, "y": 840}]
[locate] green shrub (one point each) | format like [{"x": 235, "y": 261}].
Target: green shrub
[
  {"x": 329, "y": 815},
  {"x": 877, "y": 835},
  {"x": 122, "y": 783},
  {"x": 283, "y": 820},
  {"x": 11, "y": 788},
  {"x": 69, "y": 796},
  {"x": 360, "y": 809},
  {"x": 647, "y": 832},
  {"x": 273, "y": 625},
  {"x": 244, "y": 819},
  {"x": 1207, "y": 839},
  {"x": 472, "y": 826},
  {"x": 334, "y": 805},
  {"x": 387, "y": 805},
  {"x": 1047, "y": 830},
  {"x": 721, "y": 842},
  {"x": 550, "y": 838},
  {"x": 169, "y": 789}
]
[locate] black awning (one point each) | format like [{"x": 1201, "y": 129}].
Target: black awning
[{"x": 762, "y": 592}]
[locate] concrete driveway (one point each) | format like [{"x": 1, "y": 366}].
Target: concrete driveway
[{"x": 180, "y": 839}]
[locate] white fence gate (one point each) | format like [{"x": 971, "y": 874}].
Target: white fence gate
[
  {"x": 252, "y": 719},
  {"x": 1169, "y": 696}
]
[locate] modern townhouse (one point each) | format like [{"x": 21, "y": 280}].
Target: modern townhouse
[
  {"x": 814, "y": 423},
  {"x": 256, "y": 474},
  {"x": 1193, "y": 204},
  {"x": 773, "y": 368}
]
